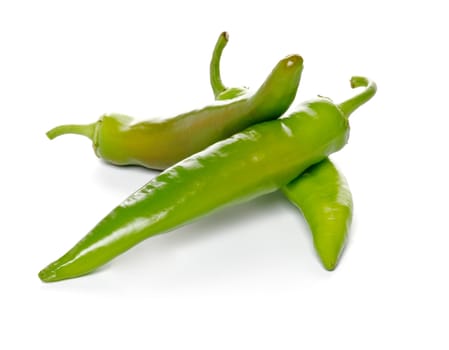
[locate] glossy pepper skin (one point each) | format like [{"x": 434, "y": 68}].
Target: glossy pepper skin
[
  {"x": 322, "y": 194},
  {"x": 160, "y": 143},
  {"x": 239, "y": 168}
]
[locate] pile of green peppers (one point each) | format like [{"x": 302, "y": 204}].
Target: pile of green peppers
[{"x": 241, "y": 146}]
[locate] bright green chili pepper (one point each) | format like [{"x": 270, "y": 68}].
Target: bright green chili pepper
[
  {"x": 322, "y": 194},
  {"x": 256, "y": 161},
  {"x": 160, "y": 143}
]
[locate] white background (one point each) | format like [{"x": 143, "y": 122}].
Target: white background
[{"x": 246, "y": 277}]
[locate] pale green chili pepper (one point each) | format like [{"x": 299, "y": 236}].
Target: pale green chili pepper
[
  {"x": 321, "y": 193},
  {"x": 160, "y": 143}
]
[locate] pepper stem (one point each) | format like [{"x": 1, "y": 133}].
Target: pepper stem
[
  {"x": 87, "y": 130},
  {"x": 350, "y": 105},
  {"x": 215, "y": 76}
]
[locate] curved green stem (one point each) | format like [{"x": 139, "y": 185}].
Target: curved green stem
[
  {"x": 87, "y": 130},
  {"x": 215, "y": 76},
  {"x": 350, "y": 105}
]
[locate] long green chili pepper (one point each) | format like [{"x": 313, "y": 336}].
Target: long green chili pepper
[
  {"x": 239, "y": 168},
  {"x": 160, "y": 143},
  {"x": 321, "y": 193}
]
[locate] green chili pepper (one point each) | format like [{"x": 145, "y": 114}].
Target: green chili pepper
[
  {"x": 160, "y": 143},
  {"x": 322, "y": 194},
  {"x": 239, "y": 168}
]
